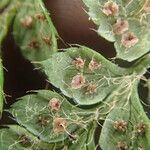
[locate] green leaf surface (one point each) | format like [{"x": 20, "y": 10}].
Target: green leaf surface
[
  {"x": 18, "y": 138},
  {"x": 80, "y": 144},
  {"x": 85, "y": 141},
  {"x": 133, "y": 7},
  {"x": 30, "y": 108},
  {"x": 6, "y": 18},
  {"x": 130, "y": 11},
  {"x": 37, "y": 34},
  {"x": 99, "y": 18},
  {"x": 129, "y": 109},
  {"x": 60, "y": 72},
  {"x": 90, "y": 142},
  {"x": 142, "y": 32}
]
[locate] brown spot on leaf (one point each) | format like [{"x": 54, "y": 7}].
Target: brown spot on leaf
[
  {"x": 122, "y": 146},
  {"x": 59, "y": 125},
  {"x": 120, "y": 125},
  {"x": 54, "y": 104},
  {"x": 47, "y": 40},
  {"x": 147, "y": 6},
  {"x": 120, "y": 26},
  {"x": 94, "y": 65},
  {"x": 40, "y": 16},
  {"x": 129, "y": 39},
  {"x": 110, "y": 8},
  {"x": 78, "y": 63},
  {"x": 78, "y": 81},
  {"x": 33, "y": 44},
  {"x": 27, "y": 21},
  {"x": 91, "y": 88},
  {"x": 24, "y": 140},
  {"x": 140, "y": 128},
  {"x": 43, "y": 120}
]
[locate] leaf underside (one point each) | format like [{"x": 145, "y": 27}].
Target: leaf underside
[
  {"x": 60, "y": 72},
  {"x": 36, "y": 38},
  {"x": 132, "y": 11}
]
